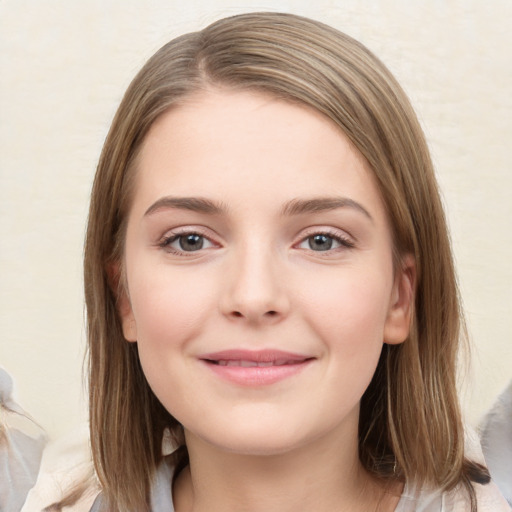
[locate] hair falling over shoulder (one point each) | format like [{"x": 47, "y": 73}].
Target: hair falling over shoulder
[{"x": 410, "y": 423}]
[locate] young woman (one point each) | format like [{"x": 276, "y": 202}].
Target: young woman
[{"x": 270, "y": 288}]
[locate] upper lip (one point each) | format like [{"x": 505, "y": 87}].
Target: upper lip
[{"x": 256, "y": 356}]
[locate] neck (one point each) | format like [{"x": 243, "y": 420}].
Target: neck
[{"x": 303, "y": 479}]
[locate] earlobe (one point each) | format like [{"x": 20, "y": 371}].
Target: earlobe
[
  {"x": 129, "y": 327},
  {"x": 401, "y": 309},
  {"x": 128, "y": 323},
  {"x": 123, "y": 305}
]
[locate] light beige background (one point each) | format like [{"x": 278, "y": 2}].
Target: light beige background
[{"x": 63, "y": 68}]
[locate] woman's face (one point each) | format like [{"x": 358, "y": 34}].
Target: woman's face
[{"x": 260, "y": 283}]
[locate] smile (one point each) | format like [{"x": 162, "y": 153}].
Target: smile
[
  {"x": 252, "y": 364},
  {"x": 255, "y": 368}
]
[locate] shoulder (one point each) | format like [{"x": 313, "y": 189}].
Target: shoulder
[
  {"x": 161, "y": 491},
  {"x": 496, "y": 435},
  {"x": 98, "y": 504},
  {"x": 489, "y": 499}
]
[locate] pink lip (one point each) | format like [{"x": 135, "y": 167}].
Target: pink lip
[{"x": 255, "y": 368}]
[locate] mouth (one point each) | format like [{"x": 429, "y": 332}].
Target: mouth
[
  {"x": 246, "y": 363},
  {"x": 255, "y": 368}
]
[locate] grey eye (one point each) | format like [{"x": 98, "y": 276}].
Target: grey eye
[
  {"x": 190, "y": 242},
  {"x": 320, "y": 242},
  {"x": 324, "y": 242},
  {"x": 185, "y": 242}
]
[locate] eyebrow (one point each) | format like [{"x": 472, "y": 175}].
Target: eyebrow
[
  {"x": 322, "y": 204},
  {"x": 195, "y": 204},
  {"x": 291, "y": 208}
]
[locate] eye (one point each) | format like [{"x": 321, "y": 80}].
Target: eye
[
  {"x": 322, "y": 242},
  {"x": 186, "y": 242}
]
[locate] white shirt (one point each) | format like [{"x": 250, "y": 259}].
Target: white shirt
[{"x": 489, "y": 498}]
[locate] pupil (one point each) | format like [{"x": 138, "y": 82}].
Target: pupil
[
  {"x": 191, "y": 242},
  {"x": 320, "y": 242}
]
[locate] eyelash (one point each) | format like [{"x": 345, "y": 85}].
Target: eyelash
[
  {"x": 167, "y": 240},
  {"x": 343, "y": 241}
]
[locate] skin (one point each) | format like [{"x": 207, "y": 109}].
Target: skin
[{"x": 262, "y": 281}]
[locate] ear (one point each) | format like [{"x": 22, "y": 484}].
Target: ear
[
  {"x": 123, "y": 305},
  {"x": 401, "y": 307}
]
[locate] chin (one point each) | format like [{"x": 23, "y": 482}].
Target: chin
[
  {"x": 256, "y": 439},
  {"x": 258, "y": 448}
]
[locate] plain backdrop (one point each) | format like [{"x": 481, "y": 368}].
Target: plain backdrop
[{"x": 64, "y": 66}]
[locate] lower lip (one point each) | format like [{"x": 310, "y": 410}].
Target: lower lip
[{"x": 257, "y": 375}]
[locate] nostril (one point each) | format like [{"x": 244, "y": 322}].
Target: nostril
[{"x": 268, "y": 314}]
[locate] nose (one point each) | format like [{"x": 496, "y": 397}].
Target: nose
[{"x": 255, "y": 290}]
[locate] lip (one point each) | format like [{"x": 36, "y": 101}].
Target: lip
[{"x": 255, "y": 367}]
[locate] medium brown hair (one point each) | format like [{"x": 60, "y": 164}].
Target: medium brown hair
[{"x": 410, "y": 425}]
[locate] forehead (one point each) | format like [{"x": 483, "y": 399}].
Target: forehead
[{"x": 222, "y": 143}]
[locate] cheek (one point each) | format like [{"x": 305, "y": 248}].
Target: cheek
[
  {"x": 349, "y": 310},
  {"x": 169, "y": 312},
  {"x": 346, "y": 312},
  {"x": 169, "y": 307}
]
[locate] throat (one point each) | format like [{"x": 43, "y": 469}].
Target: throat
[{"x": 273, "y": 484}]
